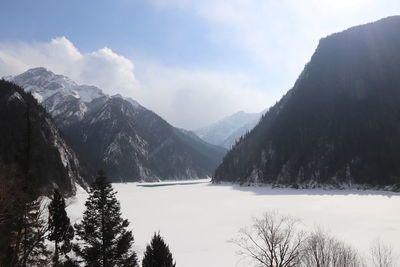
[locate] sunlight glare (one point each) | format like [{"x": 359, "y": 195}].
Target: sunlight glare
[{"x": 344, "y": 4}]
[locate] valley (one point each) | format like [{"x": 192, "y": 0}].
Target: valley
[
  {"x": 198, "y": 219},
  {"x": 177, "y": 133}
]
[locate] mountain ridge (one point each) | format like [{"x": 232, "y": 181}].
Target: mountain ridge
[
  {"x": 117, "y": 134},
  {"x": 338, "y": 124}
]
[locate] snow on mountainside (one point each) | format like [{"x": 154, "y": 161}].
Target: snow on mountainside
[
  {"x": 117, "y": 134},
  {"x": 61, "y": 96},
  {"x": 226, "y": 131},
  {"x": 44, "y": 84}
]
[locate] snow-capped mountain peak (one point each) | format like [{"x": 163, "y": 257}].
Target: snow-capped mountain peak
[
  {"x": 63, "y": 98},
  {"x": 43, "y": 84}
]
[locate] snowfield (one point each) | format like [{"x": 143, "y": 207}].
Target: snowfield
[{"x": 197, "y": 219}]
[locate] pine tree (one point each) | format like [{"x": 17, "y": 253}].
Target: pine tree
[
  {"x": 102, "y": 232},
  {"x": 60, "y": 229},
  {"x": 157, "y": 254}
]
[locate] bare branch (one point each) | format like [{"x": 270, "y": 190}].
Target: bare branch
[
  {"x": 272, "y": 241},
  {"x": 322, "y": 250},
  {"x": 382, "y": 255}
]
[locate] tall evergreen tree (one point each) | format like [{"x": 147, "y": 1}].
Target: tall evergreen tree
[
  {"x": 103, "y": 233},
  {"x": 60, "y": 228},
  {"x": 157, "y": 253}
]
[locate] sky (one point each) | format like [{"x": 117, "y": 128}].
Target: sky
[{"x": 193, "y": 62}]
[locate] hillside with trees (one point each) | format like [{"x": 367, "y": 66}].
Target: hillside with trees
[
  {"x": 31, "y": 142},
  {"x": 338, "y": 125}
]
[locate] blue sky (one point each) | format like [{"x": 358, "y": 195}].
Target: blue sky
[
  {"x": 131, "y": 28},
  {"x": 125, "y": 26},
  {"x": 191, "y": 61}
]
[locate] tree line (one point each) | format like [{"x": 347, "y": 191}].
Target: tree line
[{"x": 101, "y": 238}]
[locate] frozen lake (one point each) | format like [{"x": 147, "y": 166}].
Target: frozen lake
[{"x": 198, "y": 219}]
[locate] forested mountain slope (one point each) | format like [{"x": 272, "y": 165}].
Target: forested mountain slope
[
  {"x": 31, "y": 141},
  {"x": 339, "y": 124}
]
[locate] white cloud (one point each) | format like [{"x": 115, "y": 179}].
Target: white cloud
[
  {"x": 196, "y": 98},
  {"x": 187, "y": 99},
  {"x": 280, "y": 35},
  {"x": 102, "y": 68}
]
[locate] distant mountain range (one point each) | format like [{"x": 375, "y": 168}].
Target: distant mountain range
[
  {"x": 31, "y": 142},
  {"x": 340, "y": 123},
  {"x": 117, "y": 134},
  {"x": 228, "y": 130}
]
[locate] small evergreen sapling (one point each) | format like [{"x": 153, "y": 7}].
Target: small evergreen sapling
[{"x": 157, "y": 253}]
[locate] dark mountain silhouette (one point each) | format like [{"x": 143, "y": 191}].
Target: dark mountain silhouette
[
  {"x": 31, "y": 140},
  {"x": 338, "y": 125}
]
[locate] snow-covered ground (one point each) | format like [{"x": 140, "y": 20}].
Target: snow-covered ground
[{"x": 198, "y": 219}]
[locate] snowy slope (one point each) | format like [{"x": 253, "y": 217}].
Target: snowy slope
[{"x": 43, "y": 84}]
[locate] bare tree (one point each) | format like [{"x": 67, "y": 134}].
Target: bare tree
[
  {"x": 323, "y": 250},
  {"x": 382, "y": 255},
  {"x": 272, "y": 241}
]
